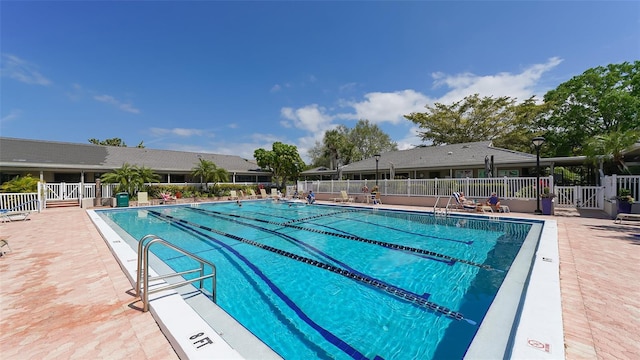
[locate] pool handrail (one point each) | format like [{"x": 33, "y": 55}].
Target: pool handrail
[{"x": 142, "y": 276}]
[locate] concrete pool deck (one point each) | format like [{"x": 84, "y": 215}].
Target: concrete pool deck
[{"x": 64, "y": 295}]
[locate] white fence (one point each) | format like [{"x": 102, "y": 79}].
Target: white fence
[
  {"x": 505, "y": 188},
  {"x": 588, "y": 197},
  {"x": 20, "y": 202},
  {"x": 614, "y": 182}
]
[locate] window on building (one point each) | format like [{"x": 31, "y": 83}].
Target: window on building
[
  {"x": 466, "y": 173},
  {"x": 508, "y": 173}
]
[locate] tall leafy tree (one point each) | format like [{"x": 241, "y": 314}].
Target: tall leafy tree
[
  {"x": 501, "y": 120},
  {"x": 602, "y": 100},
  {"x": 208, "y": 172},
  {"x": 342, "y": 146},
  {"x": 282, "y": 160}
]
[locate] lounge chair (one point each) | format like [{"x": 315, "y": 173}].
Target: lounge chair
[
  {"x": 460, "y": 205},
  {"x": 143, "y": 198},
  {"x": 376, "y": 199},
  {"x": 233, "y": 195},
  {"x": 263, "y": 194},
  {"x": 6, "y": 215},
  {"x": 274, "y": 193},
  {"x": 344, "y": 197},
  {"x": 623, "y": 216},
  {"x": 252, "y": 194},
  {"x": 4, "y": 243}
]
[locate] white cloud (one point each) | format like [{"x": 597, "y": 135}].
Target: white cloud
[
  {"x": 12, "y": 115},
  {"x": 520, "y": 86},
  {"x": 386, "y": 107},
  {"x": 312, "y": 118},
  {"x": 411, "y": 139},
  {"x": 182, "y": 132},
  {"x": 21, "y": 70},
  {"x": 275, "y": 88},
  {"x": 128, "y": 107}
]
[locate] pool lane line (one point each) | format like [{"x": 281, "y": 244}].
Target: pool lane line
[
  {"x": 235, "y": 218},
  {"x": 393, "y": 290},
  {"x": 404, "y": 231},
  {"x": 366, "y": 222},
  {"x": 333, "y": 339},
  {"x": 307, "y": 246},
  {"x": 361, "y": 239}
]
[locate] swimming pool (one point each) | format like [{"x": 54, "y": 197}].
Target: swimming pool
[{"x": 341, "y": 282}]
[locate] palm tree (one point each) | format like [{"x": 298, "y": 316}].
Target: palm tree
[
  {"x": 148, "y": 175},
  {"x": 127, "y": 177},
  {"x": 612, "y": 146},
  {"x": 207, "y": 171}
]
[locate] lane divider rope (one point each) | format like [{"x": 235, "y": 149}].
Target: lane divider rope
[{"x": 358, "y": 238}]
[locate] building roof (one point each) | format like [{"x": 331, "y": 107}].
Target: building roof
[
  {"x": 24, "y": 153},
  {"x": 440, "y": 157}
]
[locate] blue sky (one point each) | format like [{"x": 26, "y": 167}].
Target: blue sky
[{"x": 231, "y": 77}]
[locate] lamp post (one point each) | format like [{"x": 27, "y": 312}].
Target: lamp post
[
  {"x": 537, "y": 143},
  {"x": 377, "y": 156}
]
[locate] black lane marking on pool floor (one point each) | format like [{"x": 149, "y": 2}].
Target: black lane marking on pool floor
[
  {"x": 305, "y": 246},
  {"x": 385, "y": 214},
  {"x": 299, "y": 243},
  {"x": 357, "y": 238},
  {"x": 395, "y": 291},
  {"x": 329, "y": 336},
  {"x": 405, "y": 231}
]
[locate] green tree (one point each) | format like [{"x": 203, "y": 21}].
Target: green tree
[
  {"x": 368, "y": 140},
  {"x": 600, "y": 101},
  {"x": 113, "y": 142},
  {"x": 500, "y": 120},
  {"x": 20, "y": 184},
  {"x": 129, "y": 178},
  {"x": 282, "y": 160},
  {"x": 148, "y": 175},
  {"x": 208, "y": 172},
  {"x": 342, "y": 146},
  {"x": 611, "y": 146},
  {"x": 337, "y": 147}
]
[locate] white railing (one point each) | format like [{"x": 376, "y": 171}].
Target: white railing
[
  {"x": 20, "y": 201},
  {"x": 505, "y": 188},
  {"x": 615, "y": 182}
]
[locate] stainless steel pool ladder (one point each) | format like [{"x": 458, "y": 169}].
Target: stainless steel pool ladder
[
  {"x": 143, "y": 271},
  {"x": 437, "y": 211}
]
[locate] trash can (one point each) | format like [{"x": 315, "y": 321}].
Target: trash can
[{"x": 122, "y": 199}]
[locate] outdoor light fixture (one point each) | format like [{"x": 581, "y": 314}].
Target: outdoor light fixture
[
  {"x": 377, "y": 156},
  {"x": 537, "y": 143}
]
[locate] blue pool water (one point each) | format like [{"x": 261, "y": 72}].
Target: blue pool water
[{"x": 333, "y": 282}]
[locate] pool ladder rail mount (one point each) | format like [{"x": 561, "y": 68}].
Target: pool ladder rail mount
[{"x": 143, "y": 278}]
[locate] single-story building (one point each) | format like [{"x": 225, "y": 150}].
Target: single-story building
[
  {"x": 472, "y": 160},
  {"x": 56, "y": 162}
]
